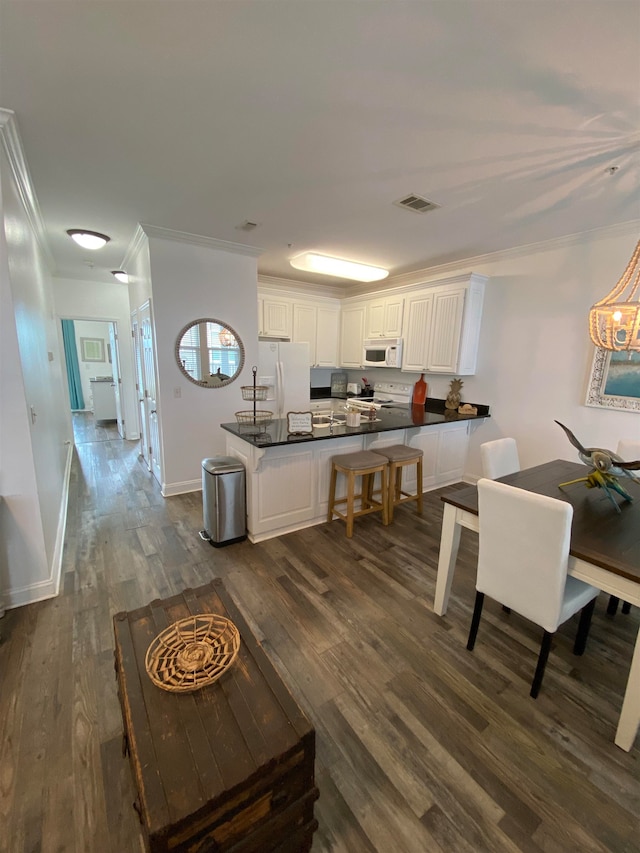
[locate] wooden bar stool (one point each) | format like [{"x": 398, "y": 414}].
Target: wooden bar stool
[
  {"x": 399, "y": 456},
  {"x": 366, "y": 465}
]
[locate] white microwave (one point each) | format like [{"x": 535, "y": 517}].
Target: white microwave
[{"x": 382, "y": 352}]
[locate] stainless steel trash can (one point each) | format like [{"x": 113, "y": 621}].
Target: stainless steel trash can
[{"x": 223, "y": 500}]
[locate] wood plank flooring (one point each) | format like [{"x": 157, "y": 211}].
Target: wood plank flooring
[{"x": 421, "y": 745}]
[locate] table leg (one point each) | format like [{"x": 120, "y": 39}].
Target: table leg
[
  {"x": 449, "y": 542},
  {"x": 630, "y": 714}
]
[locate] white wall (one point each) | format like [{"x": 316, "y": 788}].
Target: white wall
[
  {"x": 75, "y": 300},
  {"x": 99, "y": 330},
  {"x": 35, "y": 447},
  {"x": 192, "y": 281}
]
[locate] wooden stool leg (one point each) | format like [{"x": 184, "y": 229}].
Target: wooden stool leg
[
  {"x": 384, "y": 495},
  {"x": 419, "y": 485},
  {"x": 332, "y": 492},
  {"x": 392, "y": 474},
  {"x": 351, "y": 479}
]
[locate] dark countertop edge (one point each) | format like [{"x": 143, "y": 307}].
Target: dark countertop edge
[{"x": 392, "y": 423}]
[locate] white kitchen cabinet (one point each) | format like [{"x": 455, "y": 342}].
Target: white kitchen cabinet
[
  {"x": 317, "y": 325},
  {"x": 274, "y": 317},
  {"x": 352, "y": 334},
  {"x": 416, "y": 331},
  {"x": 384, "y": 317},
  {"x": 446, "y": 328},
  {"x": 442, "y": 327}
]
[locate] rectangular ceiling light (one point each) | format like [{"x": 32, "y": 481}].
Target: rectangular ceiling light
[{"x": 313, "y": 262}]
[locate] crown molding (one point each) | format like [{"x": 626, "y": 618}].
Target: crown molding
[
  {"x": 303, "y": 287},
  {"x": 12, "y": 145},
  {"x": 199, "y": 240},
  {"x": 417, "y": 276},
  {"x": 133, "y": 249}
]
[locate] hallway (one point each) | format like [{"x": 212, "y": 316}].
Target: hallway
[{"x": 420, "y": 746}]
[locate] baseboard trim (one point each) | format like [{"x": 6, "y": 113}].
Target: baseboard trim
[{"x": 170, "y": 489}]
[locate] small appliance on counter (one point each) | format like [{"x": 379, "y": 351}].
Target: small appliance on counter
[{"x": 353, "y": 389}]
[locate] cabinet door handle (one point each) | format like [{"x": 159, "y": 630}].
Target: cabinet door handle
[{"x": 153, "y": 412}]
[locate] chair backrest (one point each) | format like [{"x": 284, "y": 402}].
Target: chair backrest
[
  {"x": 628, "y": 449},
  {"x": 499, "y": 458},
  {"x": 523, "y": 550}
]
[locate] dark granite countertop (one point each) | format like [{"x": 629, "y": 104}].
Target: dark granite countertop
[{"x": 433, "y": 414}]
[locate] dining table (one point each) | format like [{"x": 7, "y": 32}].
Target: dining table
[{"x": 604, "y": 549}]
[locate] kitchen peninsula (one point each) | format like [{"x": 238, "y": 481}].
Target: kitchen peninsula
[{"x": 288, "y": 475}]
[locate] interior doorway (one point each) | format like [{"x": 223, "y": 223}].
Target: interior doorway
[{"x": 92, "y": 361}]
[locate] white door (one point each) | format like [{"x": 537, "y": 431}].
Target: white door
[
  {"x": 117, "y": 380},
  {"x": 150, "y": 401},
  {"x": 140, "y": 386}
]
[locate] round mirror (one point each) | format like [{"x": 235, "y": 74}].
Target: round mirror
[{"x": 209, "y": 353}]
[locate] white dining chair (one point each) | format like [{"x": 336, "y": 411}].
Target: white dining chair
[
  {"x": 499, "y": 458},
  {"x": 629, "y": 450},
  {"x": 522, "y": 563}
]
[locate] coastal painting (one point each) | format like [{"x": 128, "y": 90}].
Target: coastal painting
[{"x": 614, "y": 382}]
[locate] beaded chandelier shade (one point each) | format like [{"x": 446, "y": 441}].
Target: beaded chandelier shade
[{"x": 614, "y": 322}]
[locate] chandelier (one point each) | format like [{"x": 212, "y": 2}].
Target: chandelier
[
  {"x": 614, "y": 322},
  {"x": 227, "y": 338}
]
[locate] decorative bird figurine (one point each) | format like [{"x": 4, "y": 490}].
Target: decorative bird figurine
[{"x": 606, "y": 465}]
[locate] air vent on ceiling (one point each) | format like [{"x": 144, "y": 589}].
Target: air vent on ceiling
[
  {"x": 416, "y": 203},
  {"x": 246, "y": 226}
]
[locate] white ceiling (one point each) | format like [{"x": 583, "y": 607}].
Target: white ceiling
[{"x": 311, "y": 117}]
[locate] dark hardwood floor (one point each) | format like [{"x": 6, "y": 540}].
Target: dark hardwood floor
[{"x": 421, "y": 745}]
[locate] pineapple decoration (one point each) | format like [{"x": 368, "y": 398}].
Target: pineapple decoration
[{"x": 453, "y": 397}]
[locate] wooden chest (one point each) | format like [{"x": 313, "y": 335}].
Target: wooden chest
[{"x": 229, "y": 767}]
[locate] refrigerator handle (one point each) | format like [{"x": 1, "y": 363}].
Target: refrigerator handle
[{"x": 279, "y": 388}]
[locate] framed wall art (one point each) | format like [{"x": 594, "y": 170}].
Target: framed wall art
[
  {"x": 92, "y": 349},
  {"x": 614, "y": 382}
]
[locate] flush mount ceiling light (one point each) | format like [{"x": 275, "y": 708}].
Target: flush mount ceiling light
[
  {"x": 121, "y": 275},
  {"x": 313, "y": 262},
  {"x": 88, "y": 239},
  {"x": 614, "y": 322}
]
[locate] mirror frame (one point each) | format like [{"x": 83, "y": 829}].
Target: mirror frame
[{"x": 201, "y": 383}]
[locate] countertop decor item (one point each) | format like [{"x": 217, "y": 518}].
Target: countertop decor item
[
  {"x": 453, "y": 397},
  {"x": 614, "y": 322},
  {"x": 467, "y": 409},
  {"x": 192, "y": 652},
  {"x": 606, "y": 465},
  {"x": 420, "y": 391}
]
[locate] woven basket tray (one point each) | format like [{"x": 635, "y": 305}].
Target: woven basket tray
[
  {"x": 254, "y": 392},
  {"x": 261, "y": 417},
  {"x": 192, "y": 652}
]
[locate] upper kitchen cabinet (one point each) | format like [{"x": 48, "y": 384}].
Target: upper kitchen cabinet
[
  {"x": 384, "y": 317},
  {"x": 352, "y": 334},
  {"x": 318, "y": 324},
  {"x": 442, "y": 326},
  {"x": 274, "y": 317}
]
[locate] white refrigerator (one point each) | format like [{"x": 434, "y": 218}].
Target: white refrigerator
[{"x": 284, "y": 368}]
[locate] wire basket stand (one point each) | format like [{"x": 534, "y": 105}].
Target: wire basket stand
[{"x": 256, "y": 420}]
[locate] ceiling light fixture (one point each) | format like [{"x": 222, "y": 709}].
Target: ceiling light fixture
[
  {"x": 88, "y": 239},
  {"x": 121, "y": 275},
  {"x": 614, "y": 322},
  {"x": 313, "y": 262}
]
